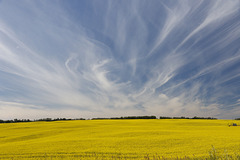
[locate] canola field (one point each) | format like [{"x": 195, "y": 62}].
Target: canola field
[{"x": 120, "y": 139}]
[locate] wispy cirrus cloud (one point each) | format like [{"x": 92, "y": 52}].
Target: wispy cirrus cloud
[{"x": 88, "y": 58}]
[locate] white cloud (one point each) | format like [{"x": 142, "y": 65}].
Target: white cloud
[{"x": 58, "y": 67}]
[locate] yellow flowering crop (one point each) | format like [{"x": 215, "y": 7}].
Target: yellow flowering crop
[{"x": 119, "y": 139}]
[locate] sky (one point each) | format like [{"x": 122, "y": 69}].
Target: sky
[{"x": 91, "y": 58}]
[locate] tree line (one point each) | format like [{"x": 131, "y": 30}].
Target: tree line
[
  {"x": 35, "y": 120},
  {"x": 195, "y": 117},
  {"x": 128, "y": 117}
]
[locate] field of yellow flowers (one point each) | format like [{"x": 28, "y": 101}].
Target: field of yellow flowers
[{"x": 120, "y": 139}]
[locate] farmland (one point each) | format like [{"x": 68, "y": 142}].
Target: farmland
[{"x": 119, "y": 139}]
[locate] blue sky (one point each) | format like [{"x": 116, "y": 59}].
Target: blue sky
[{"x": 108, "y": 58}]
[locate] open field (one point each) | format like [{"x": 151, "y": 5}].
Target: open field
[{"x": 119, "y": 139}]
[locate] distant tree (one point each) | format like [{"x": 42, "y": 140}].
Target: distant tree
[
  {"x": 162, "y": 117},
  {"x": 128, "y": 117}
]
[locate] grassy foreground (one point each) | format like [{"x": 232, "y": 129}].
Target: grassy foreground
[{"x": 120, "y": 139}]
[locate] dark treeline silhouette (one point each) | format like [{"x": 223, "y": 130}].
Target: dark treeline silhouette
[
  {"x": 237, "y": 118},
  {"x": 162, "y": 117},
  {"x": 195, "y": 117},
  {"x": 129, "y": 117},
  {"x": 136, "y": 117},
  {"x": 15, "y": 120},
  {"x": 58, "y": 119},
  {"x": 43, "y": 119}
]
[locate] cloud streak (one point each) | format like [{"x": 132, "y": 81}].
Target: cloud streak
[{"x": 88, "y": 59}]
